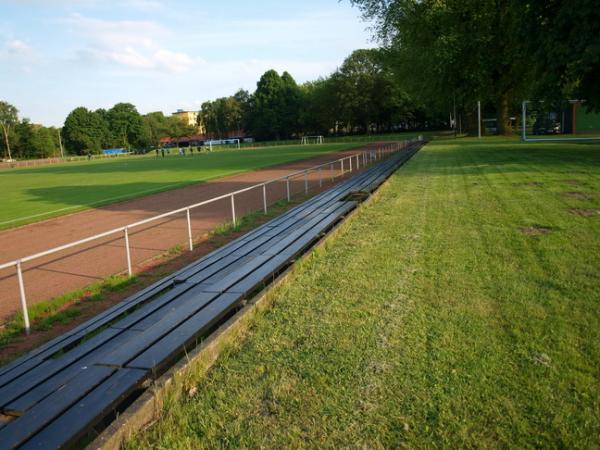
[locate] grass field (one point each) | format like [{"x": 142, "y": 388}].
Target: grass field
[
  {"x": 459, "y": 310},
  {"x": 33, "y": 194}
]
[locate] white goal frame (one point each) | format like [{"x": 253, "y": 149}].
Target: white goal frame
[
  {"x": 306, "y": 140},
  {"x": 220, "y": 142},
  {"x": 524, "y": 137}
]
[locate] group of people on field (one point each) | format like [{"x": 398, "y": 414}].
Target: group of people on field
[{"x": 182, "y": 151}]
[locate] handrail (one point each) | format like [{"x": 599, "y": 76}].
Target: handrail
[{"x": 125, "y": 229}]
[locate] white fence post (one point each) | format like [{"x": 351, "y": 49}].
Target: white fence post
[
  {"x": 287, "y": 185},
  {"x": 306, "y": 181},
  {"x": 232, "y": 210},
  {"x": 342, "y": 167},
  {"x": 350, "y": 161},
  {"x": 128, "y": 252},
  {"x": 189, "y": 224},
  {"x": 23, "y": 299},
  {"x": 265, "y": 197},
  {"x": 332, "y": 172}
]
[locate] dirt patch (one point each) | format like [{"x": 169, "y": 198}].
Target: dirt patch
[
  {"x": 578, "y": 195},
  {"x": 574, "y": 182},
  {"x": 536, "y": 230},
  {"x": 529, "y": 184},
  {"x": 582, "y": 212}
]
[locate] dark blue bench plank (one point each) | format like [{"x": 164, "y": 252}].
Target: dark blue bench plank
[
  {"x": 23, "y": 428},
  {"x": 148, "y": 309},
  {"x": 190, "y": 303},
  {"x": 175, "y": 342},
  {"x": 38, "y": 393},
  {"x": 50, "y": 367},
  {"x": 73, "y": 424}
]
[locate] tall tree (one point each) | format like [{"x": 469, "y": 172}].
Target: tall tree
[
  {"x": 125, "y": 124},
  {"x": 267, "y": 101},
  {"x": 564, "y": 39},
  {"x": 84, "y": 131},
  {"x": 456, "y": 51},
  {"x": 9, "y": 117}
]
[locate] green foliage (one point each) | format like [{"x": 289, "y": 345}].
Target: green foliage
[
  {"x": 86, "y": 131},
  {"x": 276, "y": 106},
  {"x": 564, "y": 39},
  {"x": 457, "y": 52},
  {"x": 125, "y": 125}
]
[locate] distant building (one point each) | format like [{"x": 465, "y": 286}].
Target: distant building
[{"x": 190, "y": 118}]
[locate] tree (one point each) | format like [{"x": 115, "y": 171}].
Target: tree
[
  {"x": 125, "y": 124},
  {"x": 276, "y": 106},
  {"x": 177, "y": 128},
  {"x": 564, "y": 39},
  {"x": 8, "y": 118},
  {"x": 155, "y": 126},
  {"x": 267, "y": 98},
  {"x": 85, "y": 131},
  {"x": 456, "y": 51}
]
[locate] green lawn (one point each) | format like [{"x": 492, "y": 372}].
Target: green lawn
[
  {"x": 30, "y": 195},
  {"x": 459, "y": 310}
]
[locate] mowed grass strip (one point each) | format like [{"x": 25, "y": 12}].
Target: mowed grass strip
[
  {"x": 30, "y": 195},
  {"x": 441, "y": 317}
]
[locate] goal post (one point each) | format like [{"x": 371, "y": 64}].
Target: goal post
[
  {"x": 306, "y": 140},
  {"x": 566, "y": 120},
  {"x": 235, "y": 142}
]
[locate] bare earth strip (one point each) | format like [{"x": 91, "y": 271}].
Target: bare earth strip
[{"x": 80, "y": 266}]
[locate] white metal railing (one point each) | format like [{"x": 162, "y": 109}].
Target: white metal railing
[{"x": 359, "y": 159}]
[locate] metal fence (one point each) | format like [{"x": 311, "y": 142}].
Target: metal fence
[{"x": 346, "y": 165}]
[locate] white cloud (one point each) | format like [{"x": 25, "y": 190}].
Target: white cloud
[
  {"x": 131, "y": 43},
  {"x": 17, "y": 47},
  {"x": 144, "y": 5}
]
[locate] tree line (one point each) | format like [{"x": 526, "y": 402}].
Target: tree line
[
  {"x": 362, "y": 96},
  {"x": 451, "y": 54},
  {"x": 86, "y": 131}
]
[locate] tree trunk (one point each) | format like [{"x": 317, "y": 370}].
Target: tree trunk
[
  {"x": 503, "y": 116},
  {"x": 471, "y": 123},
  {"x": 6, "y": 140}
]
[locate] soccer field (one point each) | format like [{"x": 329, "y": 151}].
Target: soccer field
[{"x": 31, "y": 195}]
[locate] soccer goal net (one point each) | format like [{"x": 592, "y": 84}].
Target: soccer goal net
[
  {"x": 312, "y": 140},
  {"x": 223, "y": 142},
  {"x": 559, "y": 121}
]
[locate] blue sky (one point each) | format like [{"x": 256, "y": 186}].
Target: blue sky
[{"x": 162, "y": 55}]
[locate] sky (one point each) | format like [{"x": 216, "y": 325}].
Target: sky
[{"x": 161, "y": 55}]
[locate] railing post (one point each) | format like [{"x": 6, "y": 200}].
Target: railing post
[
  {"x": 320, "y": 177},
  {"x": 265, "y": 197},
  {"x": 357, "y": 162},
  {"x": 189, "y": 224},
  {"x": 332, "y": 172},
  {"x": 287, "y": 185},
  {"x": 342, "y": 167},
  {"x": 23, "y": 299},
  {"x": 350, "y": 162},
  {"x": 232, "y": 210},
  {"x": 306, "y": 181},
  {"x": 129, "y": 271}
]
